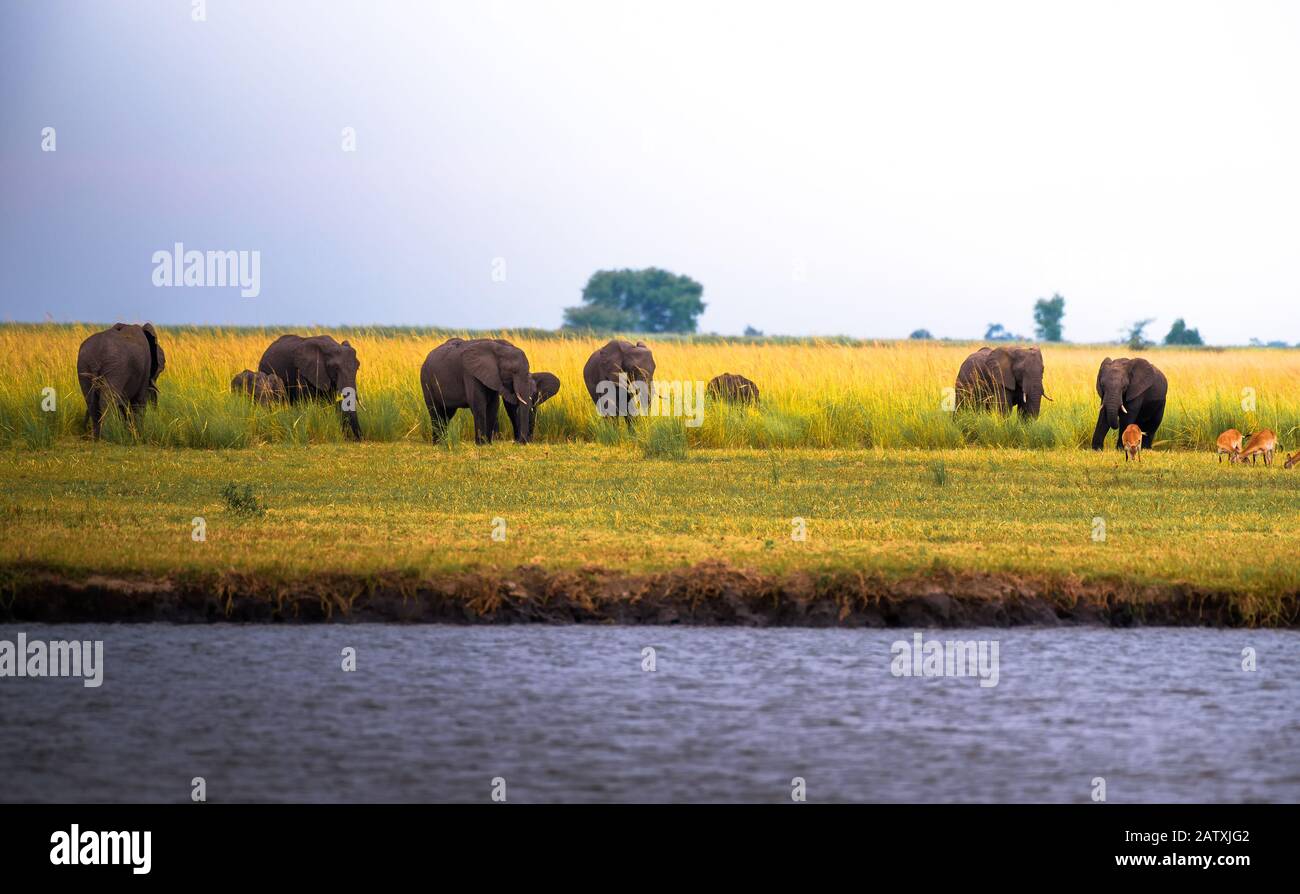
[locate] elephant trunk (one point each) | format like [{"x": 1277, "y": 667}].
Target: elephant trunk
[
  {"x": 1033, "y": 401},
  {"x": 1111, "y": 403},
  {"x": 645, "y": 394},
  {"x": 523, "y": 422},
  {"x": 350, "y": 423}
]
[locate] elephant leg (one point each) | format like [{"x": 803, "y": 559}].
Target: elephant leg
[
  {"x": 1152, "y": 415},
  {"x": 493, "y": 403},
  {"x": 438, "y": 419},
  {"x": 137, "y": 415},
  {"x": 1099, "y": 434},
  {"x": 95, "y": 412},
  {"x": 521, "y": 422},
  {"x": 478, "y": 406},
  {"x": 92, "y": 412},
  {"x": 518, "y": 432}
]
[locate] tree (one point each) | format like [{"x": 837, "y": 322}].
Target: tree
[
  {"x": 599, "y": 318},
  {"x": 921, "y": 333},
  {"x": 998, "y": 332},
  {"x": 1137, "y": 340},
  {"x": 751, "y": 332},
  {"x": 1048, "y": 313},
  {"x": 649, "y": 300},
  {"x": 1179, "y": 334}
]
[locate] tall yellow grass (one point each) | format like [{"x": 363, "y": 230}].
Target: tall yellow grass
[{"x": 815, "y": 393}]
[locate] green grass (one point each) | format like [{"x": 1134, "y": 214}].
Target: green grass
[{"x": 368, "y": 508}]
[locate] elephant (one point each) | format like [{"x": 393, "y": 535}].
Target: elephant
[
  {"x": 262, "y": 387},
  {"x": 610, "y": 368},
  {"x": 1132, "y": 392},
  {"x": 476, "y": 373},
  {"x": 119, "y": 367},
  {"x": 733, "y": 388},
  {"x": 316, "y": 368},
  {"x": 545, "y": 386},
  {"x": 1002, "y": 378}
]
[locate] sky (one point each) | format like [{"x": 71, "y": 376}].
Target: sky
[{"x": 861, "y": 169}]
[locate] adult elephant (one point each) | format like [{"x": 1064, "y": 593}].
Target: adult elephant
[
  {"x": 475, "y": 374},
  {"x": 316, "y": 368},
  {"x": 1002, "y": 378},
  {"x": 610, "y": 370},
  {"x": 733, "y": 388},
  {"x": 119, "y": 367},
  {"x": 1132, "y": 392}
]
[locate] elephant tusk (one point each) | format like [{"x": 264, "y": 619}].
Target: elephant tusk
[
  {"x": 1123, "y": 409},
  {"x": 1045, "y": 397}
]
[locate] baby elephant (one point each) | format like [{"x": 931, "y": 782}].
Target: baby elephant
[
  {"x": 547, "y": 385},
  {"x": 733, "y": 388},
  {"x": 1132, "y": 441},
  {"x": 265, "y": 388}
]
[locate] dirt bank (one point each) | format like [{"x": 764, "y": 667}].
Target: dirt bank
[{"x": 706, "y": 594}]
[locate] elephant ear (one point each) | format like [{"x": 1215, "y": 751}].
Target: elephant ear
[
  {"x": 480, "y": 361},
  {"x": 1141, "y": 376},
  {"x": 156, "y": 361},
  {"x": 611, "y": 362},
  {"x": 548, "y": 385},
  {"x": 309, "y": 360},
  {"x": 1001, "y": 369},
  {"x": 1101, "y": 374}
]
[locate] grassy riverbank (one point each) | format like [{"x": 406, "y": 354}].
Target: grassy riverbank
[{"x": 1176, "y": 519}]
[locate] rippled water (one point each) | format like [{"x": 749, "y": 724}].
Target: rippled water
[{"x": 434, "y": 713}]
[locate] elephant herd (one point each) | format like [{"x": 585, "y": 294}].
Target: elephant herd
[
  {"x": 1132, "y": 391},
  {"x": 119, "y": 368}
]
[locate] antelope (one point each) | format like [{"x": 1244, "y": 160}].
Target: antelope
[
  {"x": 1230, "y": 443},
  {"x": 1132, "y": 439},
  {"x": 1292, "y": 460},
  {"x": 1262, "y": 441}
]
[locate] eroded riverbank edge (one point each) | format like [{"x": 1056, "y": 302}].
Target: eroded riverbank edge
[{"x": 713, "y": 593}]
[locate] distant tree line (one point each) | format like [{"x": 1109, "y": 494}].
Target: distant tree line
[{"x": 653, "y": 300}]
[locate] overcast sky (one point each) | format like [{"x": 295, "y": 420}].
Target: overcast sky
[{"x": 860, "y": 169}]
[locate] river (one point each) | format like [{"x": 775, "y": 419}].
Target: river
[{"x": 573, "y": 713}]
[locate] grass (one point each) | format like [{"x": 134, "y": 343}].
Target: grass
[
  {"x": 361, "y": 509},
  {"x": 832, "y": 393}
]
